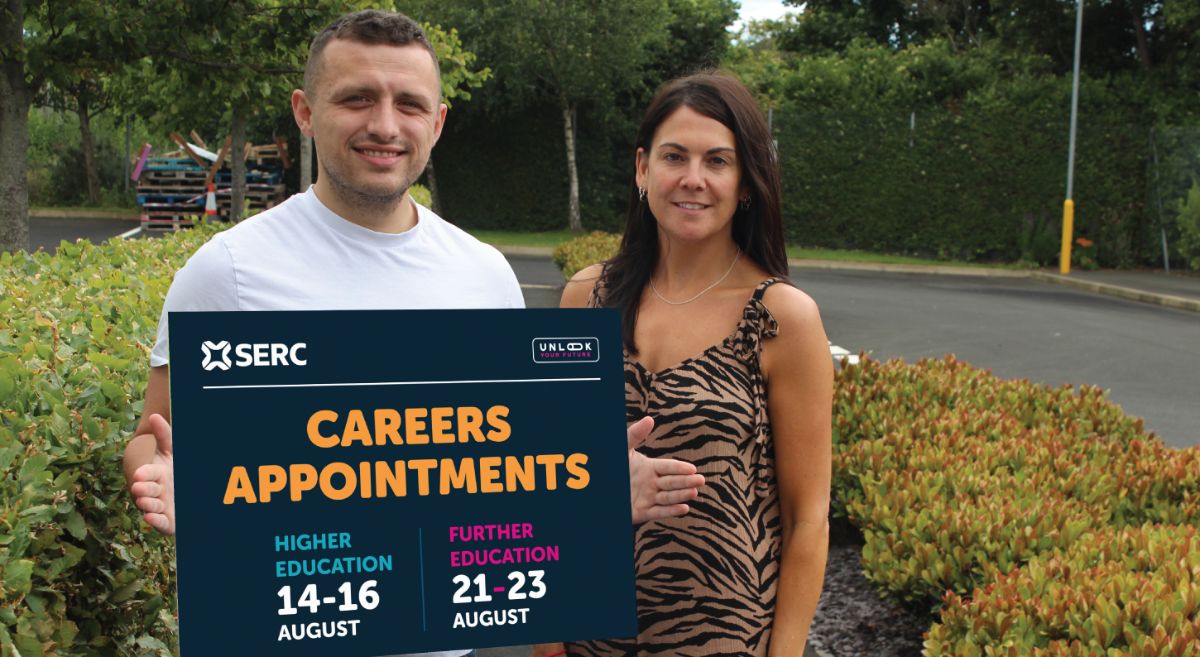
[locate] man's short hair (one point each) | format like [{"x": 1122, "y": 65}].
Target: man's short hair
[{"x": 372, "y": 27}]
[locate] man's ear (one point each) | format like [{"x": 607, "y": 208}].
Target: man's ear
[
  {"x": 439, "y": 122},
  {"x": 302, "y": 112}
]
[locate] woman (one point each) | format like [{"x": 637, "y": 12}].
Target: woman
[{"x": 731, "y": 361}]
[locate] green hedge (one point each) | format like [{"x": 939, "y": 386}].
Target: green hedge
[
  {"x": 585, "y": 251},
  {"x": 501, "y": 170},
  {"x": 936, "y": 154},
  {"x": 922, "y": 151},
  {"x": 80, "y": 572}
]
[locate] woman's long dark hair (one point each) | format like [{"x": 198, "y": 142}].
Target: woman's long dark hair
[{"x": 758, "y": 230}]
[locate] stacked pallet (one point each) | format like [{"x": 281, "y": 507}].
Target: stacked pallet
[
  {"x": 170, "y": 192},
  {"x": 264, "y": 178},
  {"x": 172, "y": 188}
]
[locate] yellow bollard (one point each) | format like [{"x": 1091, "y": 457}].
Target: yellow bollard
[{"x": 1064, "y": 258}]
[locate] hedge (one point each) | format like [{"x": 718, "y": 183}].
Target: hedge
[
  {"x": 962, "y": 482},
  {"x": 956, "y": 476},
  {"x": 922, "y": 151},
  {"x": 1140, "y": 598},
  {"x": 79, "y": 572},
  {"x": 581, "y": 252}
]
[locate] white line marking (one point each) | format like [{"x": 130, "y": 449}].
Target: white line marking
[
  {"x": 130, "y": 233},
  {"x": 395, "y": 383},
  {"x": 539, "y": 286}
]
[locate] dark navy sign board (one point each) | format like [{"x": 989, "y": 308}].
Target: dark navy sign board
[{"x": 391, "y": 574}]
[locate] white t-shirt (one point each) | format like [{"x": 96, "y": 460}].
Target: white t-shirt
[{"x": 299, "y": 255}]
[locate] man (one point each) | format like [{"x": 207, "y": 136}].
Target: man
[{"x": 355, "y": 240}]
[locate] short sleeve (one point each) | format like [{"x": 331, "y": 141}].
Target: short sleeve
[
  {"x": 516, "y": 299},
  {"x": 207, "y": 281}
]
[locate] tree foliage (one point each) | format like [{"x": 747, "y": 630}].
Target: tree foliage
[
  {"x": 214, "y": 67},
  {"x": 508, "y": 143},
  {"x": 1118, "y": 35},
  {"x": 940, "y": 127},
  {"x": 51, "y": 42},
  {"x": 564, "y": 53}
]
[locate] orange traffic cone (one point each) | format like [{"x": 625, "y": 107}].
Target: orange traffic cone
[{"x": 210, "y": 203}]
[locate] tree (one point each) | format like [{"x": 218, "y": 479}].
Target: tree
[
  {"x": 458, "y": 79},
  {"x": 1118, "y": 35},
  {"x": 50, "y": 42},
  {"x": 15, "y": 96},
  {"x": 242, "y": 63},
  {"x": 86, "y": 96},
  {"x": 566, "y": 52},
  {"x": 239, "y": 59},
  {"x": 697, "y": 37}
]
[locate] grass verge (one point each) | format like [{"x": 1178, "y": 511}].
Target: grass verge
[
  {"x": 548, "y": 239},
  {"x": 551, "y": 239}
]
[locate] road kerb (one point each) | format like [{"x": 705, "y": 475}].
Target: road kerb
[
  {"x": 511, "y": 249},
  {"x": 896, "y": 268},
  {"x": 1129, "y": 293},
  {"x": 1107, "y": 289}
]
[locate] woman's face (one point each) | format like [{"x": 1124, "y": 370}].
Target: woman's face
[{"x": 691, "y": 175}]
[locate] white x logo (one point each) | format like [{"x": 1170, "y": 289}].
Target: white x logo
[{"x": 208, "y": 348}]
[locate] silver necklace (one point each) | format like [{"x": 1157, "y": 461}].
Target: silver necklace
[{"x": 701, "y": 292}]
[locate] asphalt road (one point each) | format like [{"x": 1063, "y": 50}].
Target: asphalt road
[
  {"x": 47, "y": 232},
  {"x": 1147, "y": 356}
]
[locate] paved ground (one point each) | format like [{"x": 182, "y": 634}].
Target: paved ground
[
  {"x": 1148, "y": 356},
  {"x": 47, "y": 232},
  {"x": 1177, "y": 283},
  {"x": 541, "y": 282}
]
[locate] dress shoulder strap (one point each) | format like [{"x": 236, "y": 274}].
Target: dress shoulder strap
[{"x": 762, "y": 287}]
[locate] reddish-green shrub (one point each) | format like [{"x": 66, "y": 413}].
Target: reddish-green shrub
[{"x": 1132, "y": 592}]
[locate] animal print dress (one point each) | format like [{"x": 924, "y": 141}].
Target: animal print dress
[{"x": 706, "y": 581}]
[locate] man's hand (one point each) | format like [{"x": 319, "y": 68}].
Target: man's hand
[
  {"x": 153, "y": 485},
  {"x": 658, "y": 488}
]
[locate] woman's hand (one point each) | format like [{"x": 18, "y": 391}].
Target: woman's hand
[{"x": 658, "y": 488}]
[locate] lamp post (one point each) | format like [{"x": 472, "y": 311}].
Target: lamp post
[{"x": 1068, "y": 226}]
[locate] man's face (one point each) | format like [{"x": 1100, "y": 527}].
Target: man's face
[{"x": 374, "y": 114}]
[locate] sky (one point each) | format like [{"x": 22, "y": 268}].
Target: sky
[{"x": 759, "y": 10}]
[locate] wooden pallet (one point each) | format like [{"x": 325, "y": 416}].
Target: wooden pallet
[
  {"x": 155, "y": 222},
  {"x": 273, "y": 154},
  {"x": 151, "y": 175},
  {"x": 171, "y": 190}
]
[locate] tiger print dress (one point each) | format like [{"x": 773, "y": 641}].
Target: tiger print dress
[{"x": 706, "y": 581}]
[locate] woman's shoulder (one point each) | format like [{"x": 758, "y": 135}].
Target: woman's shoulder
[
  {"x": 578, "y": 291},
  {"x": 800, "y": 347},
  {"x": 792, "y": 308}
]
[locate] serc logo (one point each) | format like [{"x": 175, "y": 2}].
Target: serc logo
[
  {"x": 566, "y": 350},
  {"x": 221, "y": 349},
  {"x": 246, "y": 354}
]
